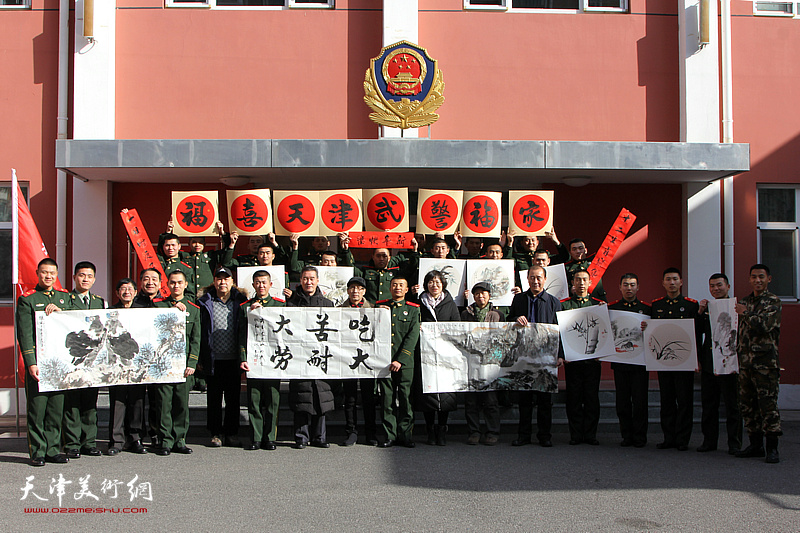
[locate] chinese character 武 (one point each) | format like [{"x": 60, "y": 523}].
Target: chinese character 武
[{"x": 384, "y": 208}]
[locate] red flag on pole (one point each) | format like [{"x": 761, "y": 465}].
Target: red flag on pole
[{"x": 29, "y": 247}]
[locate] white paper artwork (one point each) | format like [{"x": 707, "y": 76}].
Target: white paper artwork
[
  {"x": 670, "y": 344},
  {"x": 453, "y": 271},
  {"x": 333, "y": 282},
  {"x": 498, "y": 272},
  {"x": 102, "y": 347},
  {"x": 277, "y": 273},
  {"x": 724, "y": 325},
  {"x": 318, "y": 343},
  {"x": 626, "y": 327},
  {"x": 483, "y": 356},
  {"x": 586, "y": 333},
  {"x": 555, "y": 282}
]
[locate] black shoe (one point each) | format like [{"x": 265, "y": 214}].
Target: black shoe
[
  {"x": 252, "y": 446},
  {"x": 593, "y": 442},
  {"x": 320, "y": 444},
  {"x": 72, "y": 454},
  {"x": 155, "y": 442},
  {"x": 626, "y": 443},
  {"x": 752, "y": 451},
  {"x": 232, "y": 441},
  {"x": 574, "y": 442},
  {"x": 185, "y": 450},
  {"x": 372, "y": 442},
  {"x": 521, "y": 442},
  {"x": 545, "y": 443},
  {"x": 113, "y": 451},
  {"x": 135, "y": 446},
  {"x": 91, "y": 452},
  {"x": 441, "y": 435},
  {"x": 269, "y": 445},
  {"x": 386, "y": 444},
  {"x": 706, "y": 448},
  {"x": 161, "y": 451},
  {"x": 665, "y": 445},
  {"x": 772, "y": 450},
  {"x": 351, "y": 439},
  {"x": 408, "y": 444},
  {"x": 58, "y": 459},
  {"x": 733, "y": 450},
  {"x": 299, "y": 445},
  {"x": 37, "y": 461},
  {"x": 681, "y": 447}
]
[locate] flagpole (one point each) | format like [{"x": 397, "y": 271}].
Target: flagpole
[{"x": 15, "y": 282}]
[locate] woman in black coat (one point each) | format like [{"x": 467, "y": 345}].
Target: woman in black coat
[{"x": 436, "y": 305}]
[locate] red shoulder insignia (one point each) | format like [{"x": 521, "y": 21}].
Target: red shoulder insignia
[
  {"x": 382, "y": 301},
  {"x": 157, "y": 300},
  {"x": 690, "y": 299},
  {"x": 184, "y": 264},
  {"x": 248, "y": 302},
  {"x": 394, "y": 268},
  {"x": 29, "y": 292},
  {"x": 615, "y": 303},
  {"x": 60, "y": 290},
  {"x": 657, "y": 300},
  {"x": 280, "y": 300},
  {"x": 194, "y": 304},
  {"x": 565, "y": 300},
  {"x": 412, "y": 304},
  {"x": 598, "y": 300}
]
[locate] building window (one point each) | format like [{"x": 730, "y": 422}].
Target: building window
[
  {"x": 778, "y": 237},
  {"x": 252, "y": 4},
  {"x": 5, "y": 238},
  {"x": 566, "y": 5},
  {"x": 773, "y": 9},
  {"x": 15, "y": 4}
]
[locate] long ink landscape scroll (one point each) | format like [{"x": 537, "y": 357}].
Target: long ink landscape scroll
[
  {"x": 484, "y": 356},
  {"x": 318, "y": 343},
  {"x": 103, "y": 347}
]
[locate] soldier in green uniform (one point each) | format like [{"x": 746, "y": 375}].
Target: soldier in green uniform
[
  {"x": 173, "y": 398},
  {"x": 263, "y": 395},
  {"x": 528, "y": 245},
  {"x": 580, "y": 260},
  {"x": 249, "y": 259},
  {"x": 171, "y": 260},
  {"x": 80, "y": 405},
  {"x": 317, "y": 255},
  {"x": 398, "y": 423},
  {"x": 631, "y": 381},
  {"x": 45, "y": 409},
  {"x": 759, "y": 368},
  {"x": 582, "y": 377},
  {"x": 204, "y": 263},
  {"x": 676, "y": 388}
]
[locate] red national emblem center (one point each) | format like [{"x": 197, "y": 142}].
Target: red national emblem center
[
  {"x": 340, "y": 212},
  {"x": 249, "y": 212},
  {"x": 296, "y": 213},
  {"x": 531, "y": 212},
  {"x": 386, "y": 211},
  {"x": 481, "y": 214},
  {"x": 440, "y": 212},
  {"x": 404, "y": 72},
  {"x": 195, "y": 214}
]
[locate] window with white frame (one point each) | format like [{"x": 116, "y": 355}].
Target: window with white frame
[
  {"x": 778, "y": 237},
  {"x": 569, "y": 5},
  {"x": 5, "y": 238},
  {"x": 15, "y": 4},
  {"x": 252, "y": 4},
  {"x": 774, "y": 9}
]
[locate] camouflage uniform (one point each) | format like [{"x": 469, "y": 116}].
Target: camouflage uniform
[{"x": 759, "y": 370}]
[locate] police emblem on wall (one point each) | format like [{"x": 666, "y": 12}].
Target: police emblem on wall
[{"x": 403, "y": 86}]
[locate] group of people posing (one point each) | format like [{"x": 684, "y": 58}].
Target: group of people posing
[{"x": 63, "y": 425}]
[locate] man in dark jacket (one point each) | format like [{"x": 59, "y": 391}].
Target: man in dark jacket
[
  {"x": 309, "y": 399},
  {"x": 219, "y": 357},
  {"x": 482, "y": 311},
  {"x": 535, "y": 306}
]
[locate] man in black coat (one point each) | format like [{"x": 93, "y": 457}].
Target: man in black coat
[
  {"x": 535, "y": 306},
  {"x": 309, "y": 399}
]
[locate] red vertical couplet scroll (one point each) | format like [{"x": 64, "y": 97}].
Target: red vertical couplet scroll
[
  {"x": 605, "y": 254},
  {"x": 141, "y": 242}
]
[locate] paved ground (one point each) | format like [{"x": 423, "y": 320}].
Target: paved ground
[{"x": 455, "y": 488}]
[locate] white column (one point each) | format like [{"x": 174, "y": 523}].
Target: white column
[
  {"x": 400, "y": 23},
  {"x": 91, "y": 231},
  {"x": 704, "y": 243}
]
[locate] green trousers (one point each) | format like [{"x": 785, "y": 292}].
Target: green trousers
[
  {"x": 45, "y": 414},
  {"x": 173, "y": 424},
  {"x": 80, "y": 418},
  {"x": 263, "y": 400},
  {"x": 398, "y": 413}
]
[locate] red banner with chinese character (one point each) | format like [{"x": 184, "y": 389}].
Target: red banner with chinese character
[
  {"x": 141, "y": 242},
  {"x": 605, "y": 254},
  {"x": 380, "y": 239},
  {"x": 296, "y": 212},
  {"x": 531, "y": 212},
  {"x": 340, "y": 211},
  {"x": 481, "y": 215},
  {"x": 195, "y": 213},
  {"x": 386, "y": 209},
  {"x": 438, "y": 211},
  {"x": 250, "y": 212}
]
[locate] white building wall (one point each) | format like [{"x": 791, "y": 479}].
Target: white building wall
[{"x": 400, "y": 23}]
